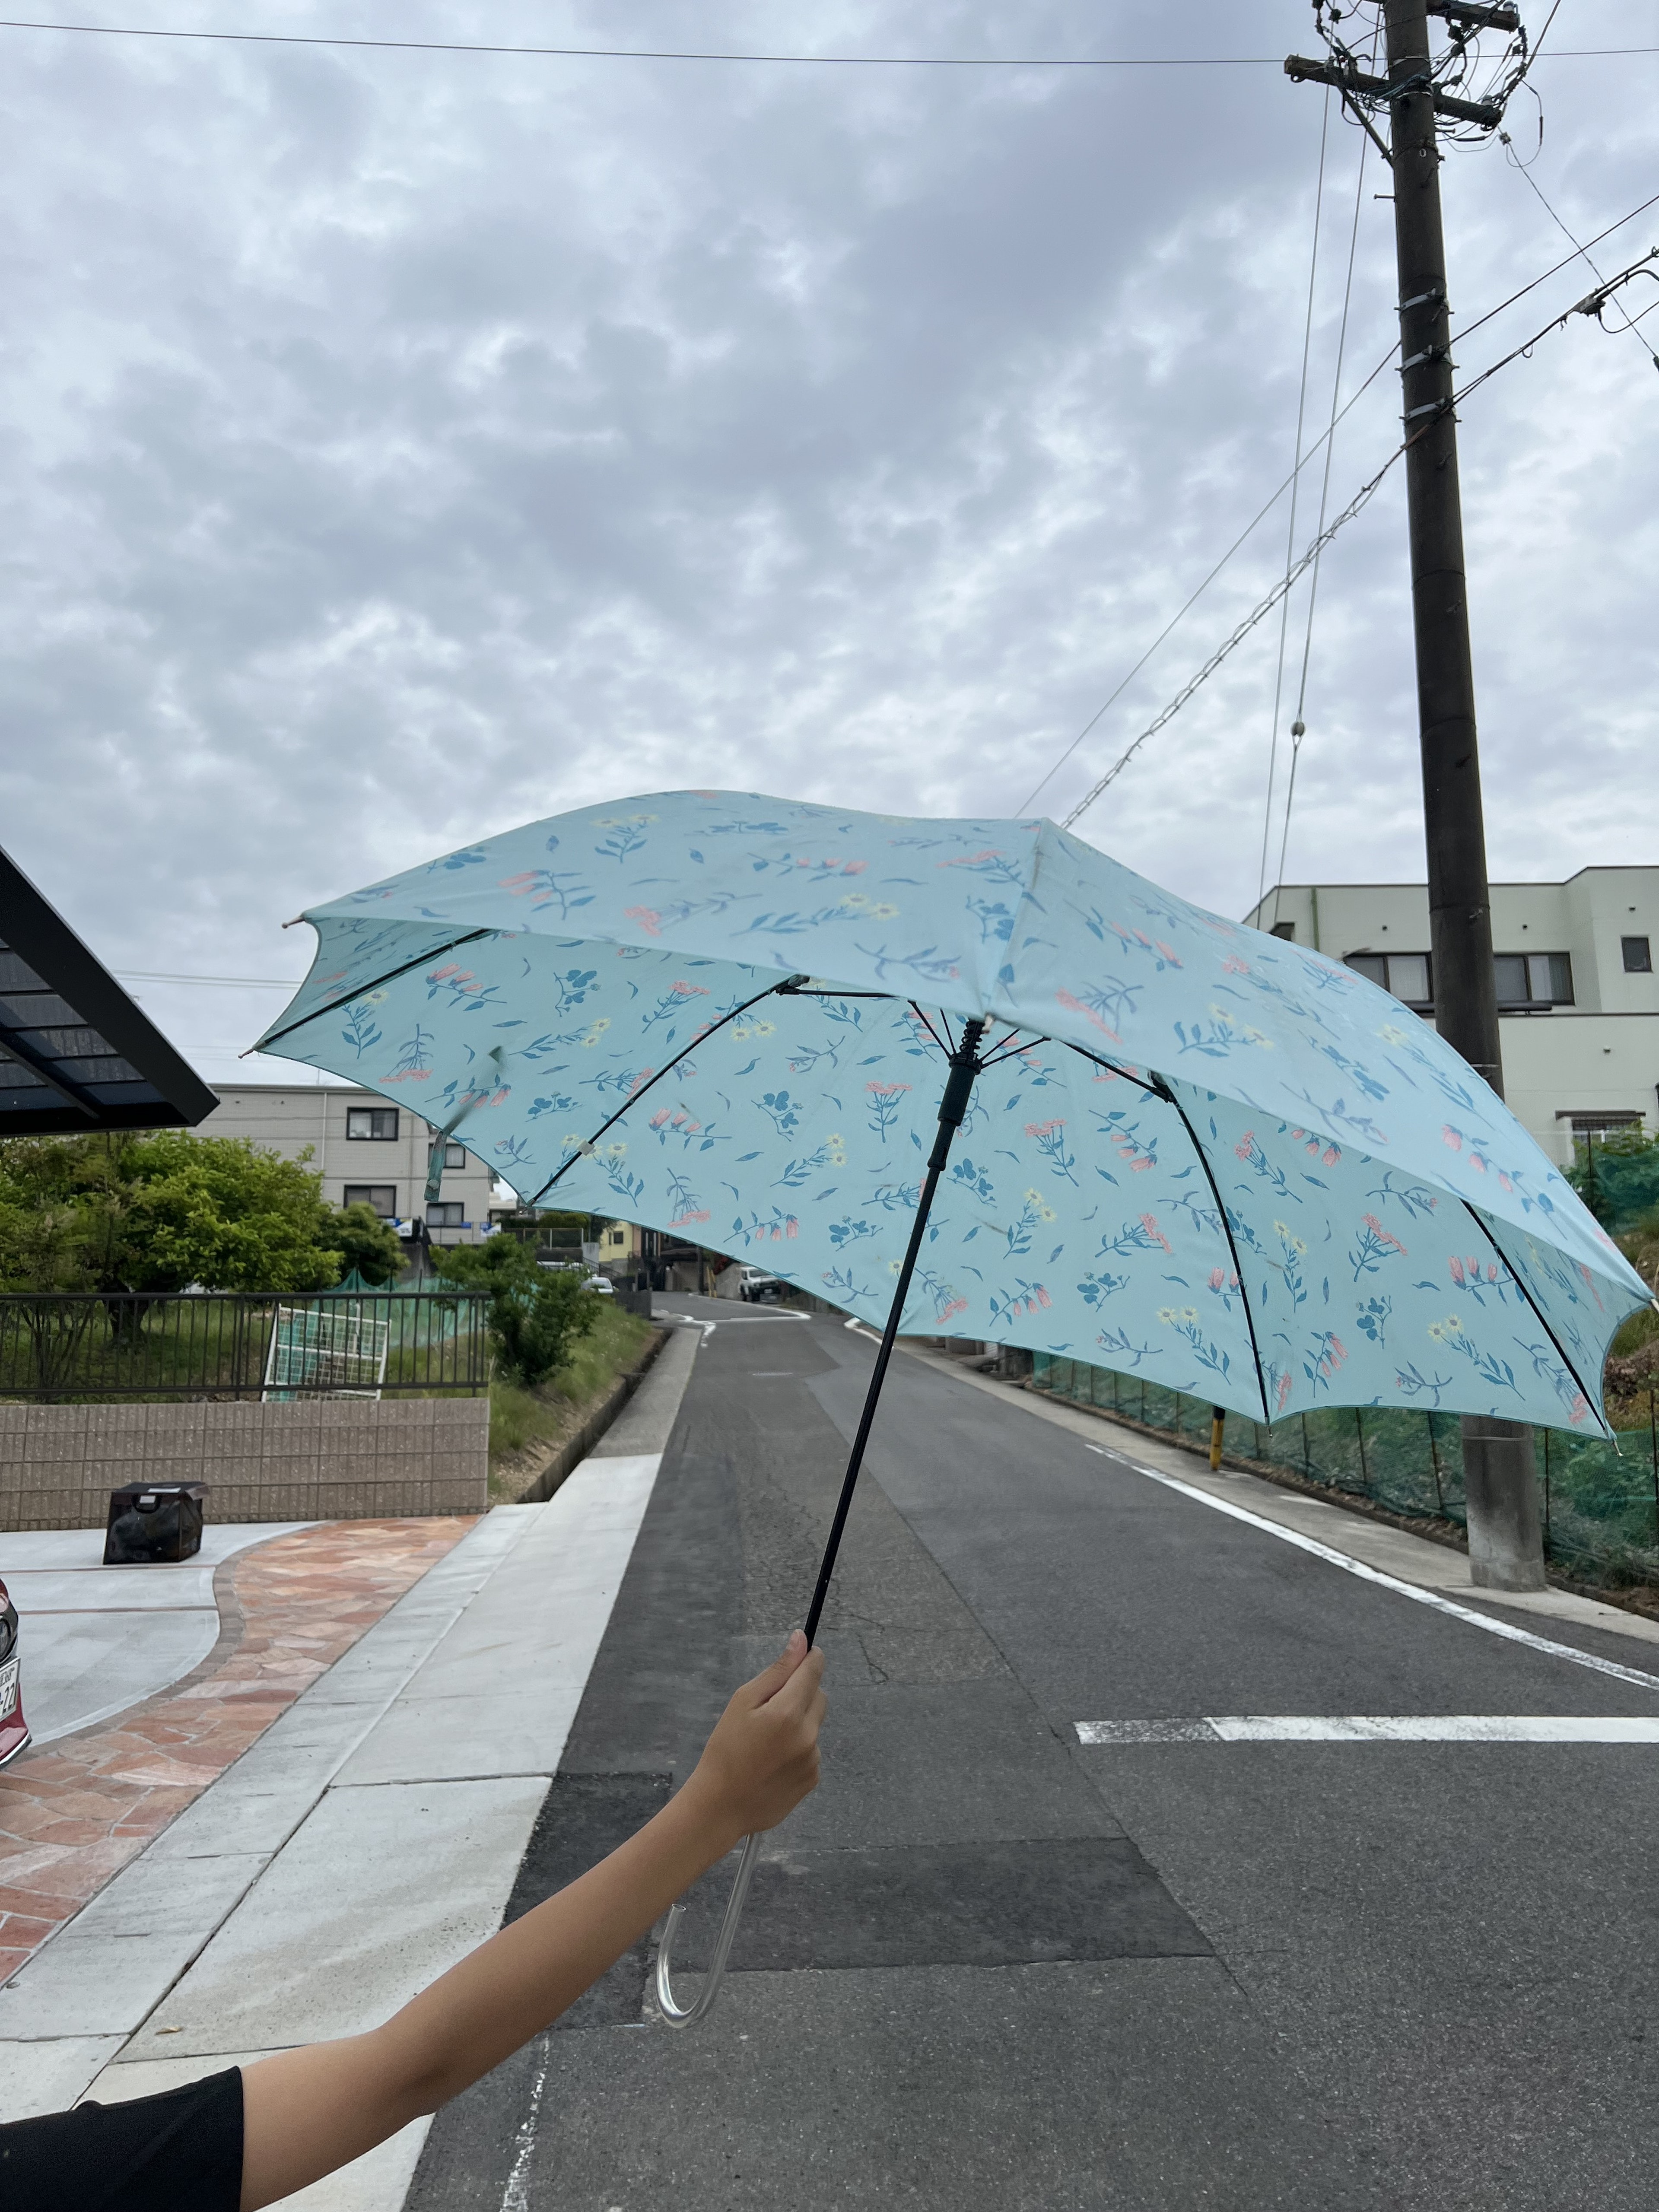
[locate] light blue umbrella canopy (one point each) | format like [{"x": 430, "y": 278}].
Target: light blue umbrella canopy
[{"x": 1209, "y": 1157}]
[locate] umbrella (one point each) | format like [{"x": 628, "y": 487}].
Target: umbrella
[{"x": 975, "y": 1078}]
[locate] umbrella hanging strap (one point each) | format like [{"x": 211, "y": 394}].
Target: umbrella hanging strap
[{"x": 964, "y": 1066}]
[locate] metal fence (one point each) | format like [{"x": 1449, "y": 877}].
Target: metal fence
[
  {"x": 88, "y": 1345},
  {"x": 1600, "y": 1501}
]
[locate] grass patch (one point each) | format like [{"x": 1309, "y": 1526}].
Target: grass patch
[{"x": 523, "y": 1422}]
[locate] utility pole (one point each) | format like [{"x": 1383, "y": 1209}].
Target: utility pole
[{"x": 1505, "y": 1539}]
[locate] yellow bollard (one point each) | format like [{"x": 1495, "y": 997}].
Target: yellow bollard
[{"x": 1217, "y": 1429}]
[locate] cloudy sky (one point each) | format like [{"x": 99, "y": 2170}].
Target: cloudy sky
[{"x": 398, "y": 446}]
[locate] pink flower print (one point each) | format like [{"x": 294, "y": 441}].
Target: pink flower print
[
  {"x": 1217, "y": 1278},
  {"x": 887, "y": 1090},
  {"x": 1384, "y": 1235},
  {"x": 1043, "y": 1128},
  {"x": 639, "y": 1081},
  {"x": 648, "y": 917},
  {"x": 1334, "y": 1356},
  {"x": 973, "y": 860},
  {"x": 1281, "y": 1392},
  {"x": 790, "y": 1225},
  {"x": 1503, "y": 1183},
  {"x": 1075, "y": 1005},
  {"x": 1141, "y": 1165},
  {"x": 1578, "y": 1412},
  {"x": 956, "y": 1306},
  {"x": 1456, "y": 1266},
  {"x": 1330, "y": 1156},
  {"x": 662, "y": 1115},
  {"x": 1478, "y": 1162},
  {"x": 520, "y": 884},
  {"x": 1245, "y": 1147},
  {"x": 683, "y": 1220},
  {"x": 689, "y": 990},
  {"x": 1233, "y": 965},
  {"x": 854, "y": 867},
  {"x": 1450, "y": 1136},
  {"x": 1169, "y": 952},
  {"x": 439, "y": 975},
  {"x": 1043, "y": 1299},
  {"x": 1149, "y": 1223}
]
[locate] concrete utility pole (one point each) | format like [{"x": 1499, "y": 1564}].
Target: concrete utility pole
[{"x": 1506, "y": 1540}]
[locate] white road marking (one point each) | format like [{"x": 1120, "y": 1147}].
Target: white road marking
[
  {"x": 1376, "y": 1728},
  {"x": 1463, "y": 1612}
]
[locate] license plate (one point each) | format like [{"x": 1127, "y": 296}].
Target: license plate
[{"x": 8, "y": 1689}]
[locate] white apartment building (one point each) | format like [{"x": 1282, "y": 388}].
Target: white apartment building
[
  {"x": 366, "y": 1151},
  {"x": 1577, "y": 996}
]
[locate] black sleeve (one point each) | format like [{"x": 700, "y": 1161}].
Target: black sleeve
[{"x": 180, "y": 2152}]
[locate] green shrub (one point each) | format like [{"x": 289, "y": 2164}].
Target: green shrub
[{"x": 537, "y": 1314}]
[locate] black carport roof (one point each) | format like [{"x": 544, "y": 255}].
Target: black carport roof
[{"x": 76, "y": 1052}]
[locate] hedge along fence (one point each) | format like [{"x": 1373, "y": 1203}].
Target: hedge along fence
[{"x": 1600, "y": 1501}]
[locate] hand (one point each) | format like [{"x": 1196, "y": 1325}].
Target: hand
[{"x": 762, "y": 1758}]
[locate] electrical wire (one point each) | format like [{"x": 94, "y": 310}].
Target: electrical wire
[
  {"x": 1590, "y": 304},
  {"x": 1524, "y": 171},
  {"x": 1296, "y": 488},
  {"x": 1250, "y": 528},
  {"x": 1299, "y": 726},
  {"x": 677, "y": 54},
  {"x": 661, "y": 54},
  {"x": 1262, "y": 512}
]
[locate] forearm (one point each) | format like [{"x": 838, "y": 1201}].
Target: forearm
[
  {"x": 512, "y": 1986},
  {"x": 307, "y": 2111}
]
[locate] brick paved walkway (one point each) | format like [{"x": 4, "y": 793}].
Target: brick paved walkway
[{"x": 73, "y": 1813}]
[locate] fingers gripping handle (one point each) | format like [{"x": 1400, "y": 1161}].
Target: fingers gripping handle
[{"x": 680, "y": 2016}]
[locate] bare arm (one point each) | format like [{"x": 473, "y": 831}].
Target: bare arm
[{"x": 307, "y": 2111}]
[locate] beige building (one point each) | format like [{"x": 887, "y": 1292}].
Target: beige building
[
  {"x": 1578, "y": 995},
  {"x": 366, "y": 1150}
]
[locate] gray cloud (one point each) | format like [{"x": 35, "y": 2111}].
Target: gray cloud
[{"x": 398, "y": 446}]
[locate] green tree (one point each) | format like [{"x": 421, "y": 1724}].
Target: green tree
[
  {"x": 366, "y": 1243},
  {"x": 536, "y": 1313},
  {"x": 158, "y": 1212}
]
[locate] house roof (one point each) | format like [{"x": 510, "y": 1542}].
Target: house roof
[{"x": 77, "y": 1053}]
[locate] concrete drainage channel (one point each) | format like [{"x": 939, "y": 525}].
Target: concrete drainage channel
[{"x": 575, "y": 1450}]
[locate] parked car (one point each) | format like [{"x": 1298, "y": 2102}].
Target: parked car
[
  {"x": 759, "y": 1288},
  {"x": 602, "y": 1284},
  {"x": 14, "y": 1728}
]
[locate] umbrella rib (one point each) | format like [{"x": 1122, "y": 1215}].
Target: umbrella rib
[
  {"x": 1227, "y": 1231},
  {"x": 629, "y": 1103},
  {"x": 316, "y": 1014},
  {"x": 928, "y": 1026},
  {"x": 1516, "y": 1277},
  {"x": 1157, "y": 1088}
]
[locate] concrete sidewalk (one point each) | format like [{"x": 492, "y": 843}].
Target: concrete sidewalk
[{"x": 369, "y": 1839}]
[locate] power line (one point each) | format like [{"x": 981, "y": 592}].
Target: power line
[
  {"x": 1296, "y": 488},
  {"x": 1299, "y": 724},
  {"x": 1591, "y": 304},
  {"x": 662, "y": 54},
  {"x": 1262, "y": 513},
  {"x": 1524, "y": 168},
  {"x": 1256, "y": 519},
  {"x": 679, "y": 54}
]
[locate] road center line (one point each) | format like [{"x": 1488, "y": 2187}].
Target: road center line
[
  {"x": 1377, "y": 1727},
  {"x": 1467, "y": 1613}
]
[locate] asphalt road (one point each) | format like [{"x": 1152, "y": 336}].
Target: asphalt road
[{"x": 988, "y": 1966}]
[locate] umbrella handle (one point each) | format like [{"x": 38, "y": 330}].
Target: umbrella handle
[{"x": 680, "y": 2016}]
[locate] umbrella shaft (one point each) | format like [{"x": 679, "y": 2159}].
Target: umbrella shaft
[{"x": 953, "y": 1106}]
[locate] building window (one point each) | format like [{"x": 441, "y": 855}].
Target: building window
[
  {"x": 371, "y": 1124},
  {"x": 446, "y": 1214},
  {"x": 454, "y": 1155},
  {"x": 1532, "y": 981},
  {"x": 1407, "y": 974},
  {"x": 1639, "y": 955},
  {"x": 1285, "y": 929},
  {"x": 382, "y": 1196}
]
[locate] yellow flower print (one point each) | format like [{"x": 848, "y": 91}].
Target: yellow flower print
[
  {"x": 596, "y": 1031},
  {"x": 1443, "y": 1332}
]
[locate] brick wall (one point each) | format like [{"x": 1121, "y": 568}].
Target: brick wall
[{"x": 327, "y": 1459}]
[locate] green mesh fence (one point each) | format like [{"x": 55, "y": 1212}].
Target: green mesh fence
[{"x": 1599, "y": 1501}]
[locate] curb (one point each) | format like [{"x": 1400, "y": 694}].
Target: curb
[{"x": 575, "y": 1448}]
